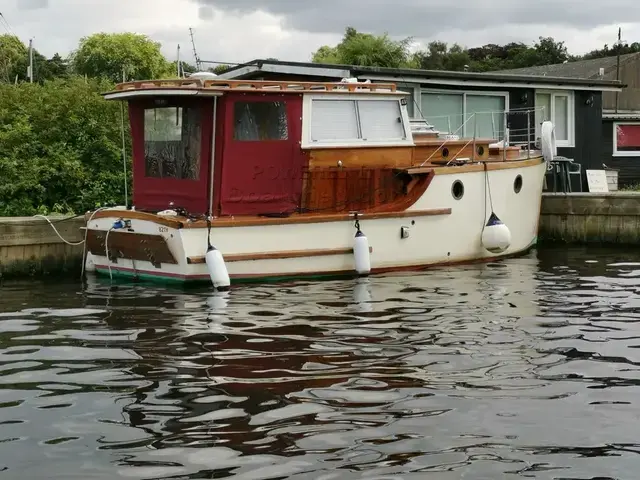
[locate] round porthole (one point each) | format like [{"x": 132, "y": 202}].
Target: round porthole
[
  {"x": 457, "y": 189},
  {"x": 480, "y": 150},
  {"x": 445, "y": 152},
  {"x": 517, "y": 184}
]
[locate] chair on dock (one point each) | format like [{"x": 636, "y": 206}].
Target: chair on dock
[{"x": 562, "y": 169}]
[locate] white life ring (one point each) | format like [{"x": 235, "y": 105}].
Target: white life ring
[{"x": 548, "y": 141}]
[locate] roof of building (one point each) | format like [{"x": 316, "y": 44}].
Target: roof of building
[
  {"x": 582, "y": 69},
  {"x": 256, "y": 68}
]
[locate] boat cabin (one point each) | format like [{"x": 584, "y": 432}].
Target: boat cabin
[{"x": 230, "y": 148}]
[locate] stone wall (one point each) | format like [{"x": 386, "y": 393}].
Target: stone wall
[
  {"x": 29, "y": 246},
  {"x": 590, "y": 218}
]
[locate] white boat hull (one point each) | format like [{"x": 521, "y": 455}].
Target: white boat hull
[{"x": 277, "y": 250}]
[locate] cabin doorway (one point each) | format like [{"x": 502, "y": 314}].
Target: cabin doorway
[
  {"x": 171, "y": 148},
  {"x": 262, "y": 163}
]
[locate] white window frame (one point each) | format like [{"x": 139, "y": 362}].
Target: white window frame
[
  {"x": 416, "y": 91},
  {"x": 571, "y": 121},
  {"x": 464, "y": 94},
  {"x": 626, "y": 153},
  {"x": 307, "y": 105}
]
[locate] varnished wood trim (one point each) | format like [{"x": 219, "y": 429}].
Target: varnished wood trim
[
  {"x": 243, "y": 257},
  {"x": 415, "y": 189},
  {"x": 259, "y": 85},
  {"x": 130, "y": 245},
  {"x": 316, "y": 218},
  {"x": 171, "y": 222},
  {"x": 367, "y": 157},
  {"x": 477, "y": 167}
]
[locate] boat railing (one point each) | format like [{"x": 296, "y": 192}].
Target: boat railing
[
  {"x": 259, "y": 85},
  {"x": 482, "y": 129}
]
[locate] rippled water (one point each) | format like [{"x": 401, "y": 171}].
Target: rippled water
[{"x": 526, "y": 368}]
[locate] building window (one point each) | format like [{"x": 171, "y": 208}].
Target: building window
[
  {"x": 260, "y": 121},
  {"x": 557, "y": 107},
  {"x": 413, "y": 96},
  {"x": 460, "y": 113},
  {"x": 357, "y": 121},
  {"x": 172, "y": 142},
  {"x": 626, "y": 139}
]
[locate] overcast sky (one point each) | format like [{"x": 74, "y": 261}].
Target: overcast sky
[{"x": 240, "y": 30}]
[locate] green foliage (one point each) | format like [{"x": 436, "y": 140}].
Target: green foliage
[
  {"x": 12, "y": 53},
  {"x": 622, "y": 48},
  {"x": 60, "y": 147},
  {"x": 14, "y": 61},
  {"x": 365, "y": 49},
  {"x": 109, "y": 54}
]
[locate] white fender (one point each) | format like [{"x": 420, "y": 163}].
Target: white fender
[
  {"x": 217, "y": 269},
  {"x": 361, "y": 254},
  {"x": 548, "y": 141},
  {"x": 89, "y": 264},
  {"x": 496, "y": 236}
]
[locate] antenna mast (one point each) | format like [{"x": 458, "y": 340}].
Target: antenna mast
[
  {"x": 178, "y": 63},
  {"x": 30, "y": 69},
  {"x": 195, "y": 54},
  {"x": 619, "y": 48}
]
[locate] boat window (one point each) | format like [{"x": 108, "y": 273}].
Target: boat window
[
  {"x": 256, "y": 121},
  {"x": 356, "y": 121},
  {"x": 381, "y": 120},
  {"x": 334, "y": 120},
  {"x": 172, "y": 142}
]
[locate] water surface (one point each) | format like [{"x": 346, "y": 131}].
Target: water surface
[{"x": 525, "y": 368}]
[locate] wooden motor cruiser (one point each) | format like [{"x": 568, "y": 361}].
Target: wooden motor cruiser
[{"x": 256, "y": 180}]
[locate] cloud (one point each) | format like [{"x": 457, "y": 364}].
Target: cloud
[
  {"x": 240, "y": 30},
  {"x": 33, "y": 4},
  {"x": 425, "y": 19}
]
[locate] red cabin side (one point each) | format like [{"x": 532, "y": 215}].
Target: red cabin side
[{"x": 259, "y": 167}]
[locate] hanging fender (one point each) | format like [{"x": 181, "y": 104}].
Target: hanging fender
[
  {"x": 496, "y": 236},
  {"x": 361, "y": 253}
]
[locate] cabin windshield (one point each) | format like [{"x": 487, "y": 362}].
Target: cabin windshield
[
  {"x": 172, "y": 142},
  {"x": 260, "y": 121}
]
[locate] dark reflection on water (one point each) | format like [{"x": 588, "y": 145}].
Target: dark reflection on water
[{"x": 527, "y": 368}]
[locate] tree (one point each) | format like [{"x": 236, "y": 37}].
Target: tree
[
  {"x": 109, "y": 54},
  {"x": 549, "y": 51},
  {"x": 439, "y": 56},
  {"x": 13, "y": 54},
  {"x": 218, "y": 69},
  {"x": 365, "y": 49}
]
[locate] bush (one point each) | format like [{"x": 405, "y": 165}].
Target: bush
[{"x": 60, "y": 147}]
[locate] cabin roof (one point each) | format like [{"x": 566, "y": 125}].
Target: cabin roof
[
  {"x": 191, "y": 86},
  {"x": 258, "y": 67},
  {"x": 585, "y": 69}
]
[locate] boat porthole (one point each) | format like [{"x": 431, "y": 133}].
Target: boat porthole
[
  {"x": 517, "y": 184},
  {"x": 480, "y": 150},
  {"x": 457, "y": 189},
  {"x": 445, "y": 152}
]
